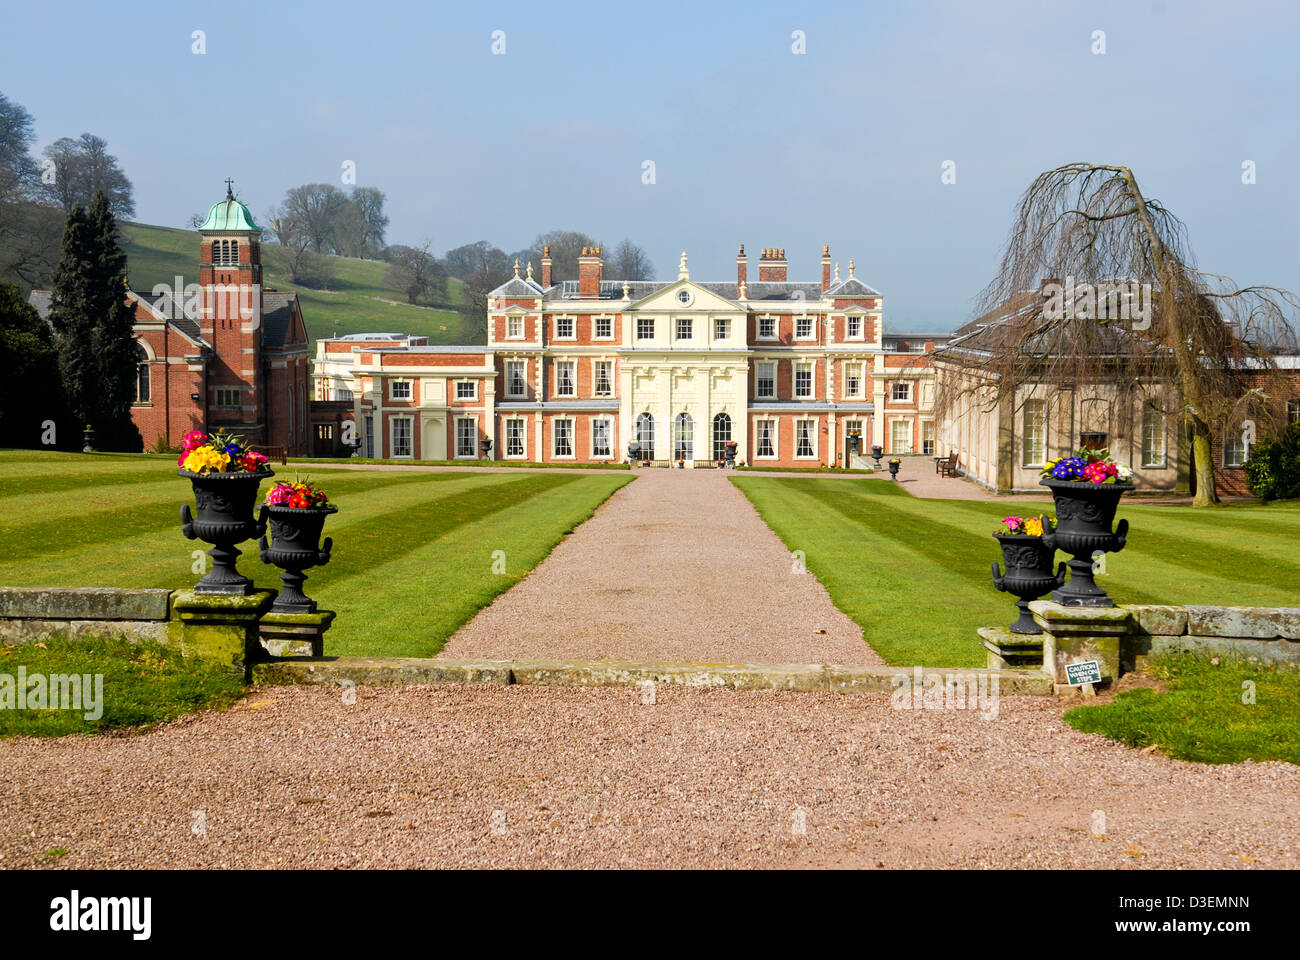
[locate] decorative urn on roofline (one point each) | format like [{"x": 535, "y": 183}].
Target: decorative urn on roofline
[
  {"x": 224, "y": 475},
  {"x": 1087, "y": 488}
]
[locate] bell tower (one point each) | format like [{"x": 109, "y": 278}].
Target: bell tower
[{"x": 230, "y": 275}]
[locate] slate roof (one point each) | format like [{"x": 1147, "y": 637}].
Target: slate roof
[
  {"x": 277, "y": 317},
  {"x": 277, "y": 314}
]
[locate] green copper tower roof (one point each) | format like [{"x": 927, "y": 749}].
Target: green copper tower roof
[{"x": 230, "y": 214}]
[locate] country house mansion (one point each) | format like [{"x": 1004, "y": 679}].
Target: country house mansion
[{"x": 797, "y": 373}]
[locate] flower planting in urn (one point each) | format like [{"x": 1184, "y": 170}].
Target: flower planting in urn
[
  {"x": 1028, "y": 556},
  {"x": 224, "y": 474},
  {"x": 295, "y": 515},
  {"x": 1087, "y": 488}
]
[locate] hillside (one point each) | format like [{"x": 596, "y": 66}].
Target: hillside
[{"x": 355, "y": 302}]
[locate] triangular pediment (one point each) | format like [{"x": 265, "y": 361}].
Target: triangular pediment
[{"x": 669, "y": 300}]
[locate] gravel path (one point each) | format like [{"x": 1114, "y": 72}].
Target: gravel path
[
  {"x": 675, "y": 567},
  {"x": 457, "y": 776}
]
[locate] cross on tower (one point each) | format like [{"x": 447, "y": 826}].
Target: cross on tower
[{"x": 229, "y": 193}]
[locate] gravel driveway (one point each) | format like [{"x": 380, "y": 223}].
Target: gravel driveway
[
  {"x": 457, "y": 776},
  {"x": 675, "y": 567}
]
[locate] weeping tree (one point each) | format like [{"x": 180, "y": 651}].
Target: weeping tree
[{"x": 1098, "y": 286}]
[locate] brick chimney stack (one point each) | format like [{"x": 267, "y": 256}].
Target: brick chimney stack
[
  {"x": 742, "y": 269},
  {"x": 772, "y": 265},
  {"x": 546, "y": 267},
  {"x": 826, "y": 266},
  {"x": 590, "y": 267}
]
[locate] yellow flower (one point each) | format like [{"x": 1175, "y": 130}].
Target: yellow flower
[
  {"x": 205, "y": 459},
  {"x": 1034, "y": 527}
]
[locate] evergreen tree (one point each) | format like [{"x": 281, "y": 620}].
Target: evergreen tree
[
  {"x": 31, "y": 396},
  {"x": 114, "y": 336},
  {"x": 93, "y": 328},
  {"x": 72, "y": 315}
]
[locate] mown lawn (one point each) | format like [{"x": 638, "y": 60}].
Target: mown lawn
[
  {"x": 915, "y": 573},
  {"x": 413, "y": 552},
  {"x": 1221, "y": 712}
]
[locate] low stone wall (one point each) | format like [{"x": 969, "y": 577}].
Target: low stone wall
[
  {"x": 1261, "y": 634},
  {"x": 29, "y": 614},
  {"x": 1120, "y": 638}
]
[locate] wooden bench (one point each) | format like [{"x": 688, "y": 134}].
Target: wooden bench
[
  {"x": 272, "y": 453},
  {"x": 948, "y": 467}
]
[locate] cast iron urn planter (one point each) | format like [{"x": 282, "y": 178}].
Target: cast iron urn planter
[
  {"x": 295, "y": 535},
  {"x": 1084, "y": 514},
  {"x": 893, "y": 469},
  {"x": 224, "y": 518},
  {"x": 1029, "y": 573},
  {"x": 877, "y": 452}
]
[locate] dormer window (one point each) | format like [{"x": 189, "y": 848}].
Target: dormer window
[{"x": 225, "y": 253}]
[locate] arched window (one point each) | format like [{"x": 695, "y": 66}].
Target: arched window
[
  {"x": 645, "y": 435},
  {"x": 141, "y": 374},
  {"x": 721, "y": 434},
  {"x": 683, "y": 437}
]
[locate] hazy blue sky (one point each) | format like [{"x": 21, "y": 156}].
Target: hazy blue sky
[{"x": 752, "y": 143}]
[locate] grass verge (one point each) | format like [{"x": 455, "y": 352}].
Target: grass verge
[
  {"x": 1209, "y": 712},
  {"x": 132, "y": 686}
]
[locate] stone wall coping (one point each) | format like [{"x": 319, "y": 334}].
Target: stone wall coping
[
  {"x": 794, "y": 677},
  {"x": 83, "y": 603}
]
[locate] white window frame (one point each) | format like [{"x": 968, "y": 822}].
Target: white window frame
[
  {"x": 473, "y": 443},
  {"x": 473, "y": 389},
  {"x": 572, "y": 367},
  {"x": 851, "y": 319},
  {"x": 928, "y": 441},
  {"x": 893, "y": 438},
  {"x": 854, "y": 370},
  {"x": 774, "y": 427},
  {"x": 642, "y": 323},
  {"x": 395, "y": 383},
  {"x": 511, "y": 324},
  {"x": 555, "y": 436},
  {"x": 523, "y": 438},
  {"x": 1153, "y": 416},
  {"x": 758, "y": 329},
  {"x": 812, "y": 328},
  {"x": 410, "y": 436},
  {"x": 771, "y": 394},
  {"x": 609, "y": 438},
  {"x": 595, "y": 378},
  {"x": 595, "y": 328},
  {"x": 689, "y": 327},
  {"x": 1239, "y": 454},
  {"x": 523, "y": 379},
  {"x": 573, "y": 327},
  {"x": 1033, "y": 439},
  {"x": 900, "y": 385},
  {"x": 721, "y": 328},
  {"x": 809, "y": 368},
  {"x": 811, "y": 437}
]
